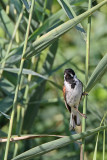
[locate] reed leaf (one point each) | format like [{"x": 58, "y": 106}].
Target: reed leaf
[
  {"x": 47, "y": 147},
  {"x": 33, "y": 109},
  {"x": 47, "y": 39},
  {"x": 44, "y": 41},
  {"x": 5, "y": 115},
  {"x": 26, "y": 5},
  {"x": 25, "y": 71},
  {"x": 17, "y": 86},
  {"x": 29, "y": 136},
  {"x": 71, "y": 14},
  {"x": 97, "y": 74}
]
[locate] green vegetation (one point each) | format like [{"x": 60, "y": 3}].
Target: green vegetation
[{"x": 38, "y": 40}]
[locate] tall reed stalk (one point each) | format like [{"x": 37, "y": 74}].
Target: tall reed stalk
[
  {"x": 96, "y": 146},
  {"x": 86, "y": 75},
  {"x": 26, "y": 93},
  {"x": 18, "y": 84},
  {"x": 104, "y": 132},
  {"x": 11, "y": 41}
]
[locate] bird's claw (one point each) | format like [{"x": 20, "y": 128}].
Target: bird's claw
[
  {"x": 83, "y": 115},
  {"x": 85, "y": 93}
]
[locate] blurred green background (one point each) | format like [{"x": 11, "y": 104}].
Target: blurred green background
[{"x": 46, "y": 112}]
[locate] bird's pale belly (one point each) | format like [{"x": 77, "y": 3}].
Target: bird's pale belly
[
  {"x": 73, "y": 97},
  {"x": 73, "y": 100}
]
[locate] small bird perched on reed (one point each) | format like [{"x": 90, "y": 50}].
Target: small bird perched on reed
[{"x": 72, "y": 92}]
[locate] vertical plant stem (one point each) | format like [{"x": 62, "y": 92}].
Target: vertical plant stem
[
  {"x": 84, "y": 127},
  {"x": 18, "y": 127},
  {"x": 86, "y": 76},
  {"x": 18, "y": 84},
  {"x": 8, "y": 7},
  {"x": 95, "y": 151},
  {"x": 21, "y": 114},
  {"x": 104, "y": 133},
  {"x": 43, "y": 16},
  {"x": 23, "y": 109},
  {"x": 11, "y": 41},
  {"x": 17, "y": 33},
  {"x": 33, "y": 59}
]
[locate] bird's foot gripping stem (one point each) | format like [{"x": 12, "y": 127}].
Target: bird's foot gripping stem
[
  {"x": 83, "y": 115},
  {"x": 84, "y": 94}
]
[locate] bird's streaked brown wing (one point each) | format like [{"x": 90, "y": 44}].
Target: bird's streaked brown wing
[{"x": 64, "y": 94}]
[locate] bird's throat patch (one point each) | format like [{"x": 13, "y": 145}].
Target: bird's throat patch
[{"x": 73, "y": 85}]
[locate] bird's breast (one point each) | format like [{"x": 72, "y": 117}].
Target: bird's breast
[{"x": 73, "y": 95}]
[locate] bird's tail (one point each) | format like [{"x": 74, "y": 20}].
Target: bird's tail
[{"x": 74, "y": 120}]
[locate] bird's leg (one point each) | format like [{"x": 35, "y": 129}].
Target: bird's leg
[
  {"x": 84, "y": 94},
  {"x": 83, "y": 115}
]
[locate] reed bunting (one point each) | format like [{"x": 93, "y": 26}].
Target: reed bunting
[{"x": 72, "y": 92}]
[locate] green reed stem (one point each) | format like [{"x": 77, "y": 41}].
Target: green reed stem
[
  {"x": 43, "y": 15},
  {"x": 18, "y": 84},
  {"x": 30, "y": 77},
  {"x": 86, "y": 74},
  {"x": 18, "y": 128},
  {"x": 23, "y": 109},
  {"x": 26, "y": 93},
  {"x": 95, "y": 151},
  {"x": 8, "y": 7},
  {"x": 104, "y": 133},
  {"x": 11, "y": 41}
]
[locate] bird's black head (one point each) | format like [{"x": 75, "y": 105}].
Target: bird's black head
[{"x": 69, "y": 74}]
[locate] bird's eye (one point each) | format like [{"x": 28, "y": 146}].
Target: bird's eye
[{"x": 69, "y": 76}]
